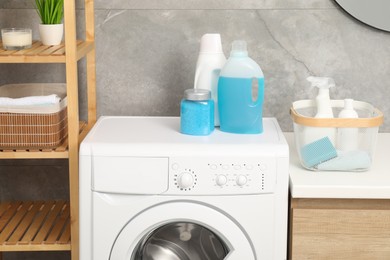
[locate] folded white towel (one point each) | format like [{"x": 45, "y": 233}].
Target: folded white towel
[{"x": 28, "y": 101}]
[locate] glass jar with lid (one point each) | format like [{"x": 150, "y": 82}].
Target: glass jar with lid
[{"x": 197, "y": 112}]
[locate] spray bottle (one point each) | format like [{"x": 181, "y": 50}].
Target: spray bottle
[
  {"x": 208, "y": 67},
  {"x": 324, "y": 110}
]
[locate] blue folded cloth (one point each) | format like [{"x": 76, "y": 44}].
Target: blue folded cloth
[{"x": 347, "y": 161}]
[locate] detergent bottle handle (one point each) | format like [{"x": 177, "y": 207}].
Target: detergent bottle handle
[{"x": 257, "y": 92}]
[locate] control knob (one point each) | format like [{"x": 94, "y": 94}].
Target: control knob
[
  {"x": 241, "y": 180},
  {"x": 221, "y": 180},
  {"x": 185, "y": 180}
]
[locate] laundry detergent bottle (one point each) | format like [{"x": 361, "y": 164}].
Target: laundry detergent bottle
[
  {"x": 241, "y": 93},
  {"x": 208, "y": 67}
]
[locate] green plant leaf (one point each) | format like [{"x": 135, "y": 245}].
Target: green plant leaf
[{"x": 50, "y": 11}]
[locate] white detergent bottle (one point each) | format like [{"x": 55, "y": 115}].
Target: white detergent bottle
[
  {"x": 208, "y": 67},
  {"x": 347, "y": 138},
  {"x": 241, "y": 93},
  {"x": 324, "y": 110}
]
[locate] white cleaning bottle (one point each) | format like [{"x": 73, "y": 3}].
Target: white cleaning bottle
[
  {"x": 347, "y": 138},
  {"x": 208, "y": 67},
  {"x": 324, "y": 110}
]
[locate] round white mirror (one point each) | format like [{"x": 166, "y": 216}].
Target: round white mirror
[{"x": 375, "y": 13}]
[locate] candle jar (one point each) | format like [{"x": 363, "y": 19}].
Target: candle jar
[
  {"x": 197, "y": 112},
  {"x": 16, "y": 38}
]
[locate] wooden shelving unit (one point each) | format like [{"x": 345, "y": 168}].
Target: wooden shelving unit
[
  {"x": 39, "y": 53},
  {"x": 54, "y": 225}
]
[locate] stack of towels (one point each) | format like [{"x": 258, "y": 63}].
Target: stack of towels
[{"x": 30, "y": 101}]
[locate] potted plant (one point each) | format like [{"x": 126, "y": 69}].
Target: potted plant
[{"x": 51, "y": 28}]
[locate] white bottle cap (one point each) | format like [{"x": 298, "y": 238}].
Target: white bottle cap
[
  {"x": 211, "y": 43},
  {"x": 348, "y": 104},
  {"x": 239, "y": 49},
  {"x": 321, "y": 82},
  {"x": 348, "y": 111}
]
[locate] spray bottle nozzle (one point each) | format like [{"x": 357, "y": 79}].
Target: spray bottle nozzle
[{"x": 321, "y": 82}]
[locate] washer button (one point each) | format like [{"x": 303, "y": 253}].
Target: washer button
[
  {"x": 249, "y": 167},
  {"x": 241, "y": 180},
  {"x": 175, "y": 166},
  {"x": 225, "y": 167},
  {"x": 221, "y": 180},
  {"x": 185, "y": 180},
  {"x": 213, "y": 167},
  {"x": 237, "y": 167},
  {"x": 263, "y": 166}
]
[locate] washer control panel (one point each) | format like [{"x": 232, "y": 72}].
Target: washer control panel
[{"x": 223, "y": 176}]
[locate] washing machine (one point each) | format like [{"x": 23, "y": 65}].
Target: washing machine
[{"x": 148, "y": 192}]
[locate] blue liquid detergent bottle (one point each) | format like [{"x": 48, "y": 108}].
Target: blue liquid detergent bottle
[{"x": 241, "y": 93}]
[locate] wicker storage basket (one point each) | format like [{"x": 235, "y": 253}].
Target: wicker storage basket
[
  {"x": 319, "y": 140},
  {"x": 33, "y": 126}
]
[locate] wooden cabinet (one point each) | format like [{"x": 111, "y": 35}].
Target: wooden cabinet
[
  {"x": 54, "y": 225},
  {"x": 347, "y": 229}
]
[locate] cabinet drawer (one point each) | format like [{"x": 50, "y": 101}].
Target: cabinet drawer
[{"x": 336, "y": 233}]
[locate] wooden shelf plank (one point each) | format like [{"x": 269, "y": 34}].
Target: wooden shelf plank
[
  {"x": 48, "y": 224},
  {"x": 65, "y": 237},
  {"x": 39, "y": 53},
  {"x": 84, "y": 48},
  {"x": 25, "y": 223},
  {"x": 7, "y": 216},
  {"x": 14, "y": 221},
  {"x": 34, "y": 45},
  {"x": 56, "y": 232},
  {"x": 37, "y": 223},
  {"x": 35, "y": 226}
]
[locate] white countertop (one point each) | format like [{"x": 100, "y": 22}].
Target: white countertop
[{"x": 372, "y": 184}]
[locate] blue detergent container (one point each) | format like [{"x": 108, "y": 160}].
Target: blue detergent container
[{"x": 241, "y": 93}]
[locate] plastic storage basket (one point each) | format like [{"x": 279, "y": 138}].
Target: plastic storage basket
[
  {"x": 320, "y": 142},
  {"x": 33, "y": 126}
]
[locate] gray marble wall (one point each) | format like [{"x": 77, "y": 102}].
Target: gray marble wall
[{"x": 147, "y": 51}]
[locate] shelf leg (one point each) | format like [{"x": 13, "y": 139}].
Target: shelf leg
[
  {"x": 73, "y": 121},
  {"x": 91, "y": 85},
  {"x": 91, "y": 67}
]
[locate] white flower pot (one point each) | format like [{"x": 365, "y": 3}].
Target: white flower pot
[{"x": 51, "y": 34}]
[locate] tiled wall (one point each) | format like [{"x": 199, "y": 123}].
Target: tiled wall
[{"x": 147, "y": 51}]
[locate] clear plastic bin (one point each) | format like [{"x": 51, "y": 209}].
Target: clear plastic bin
[
  {"x": 33, "y": 126},
  {"x": 335, "y": 144}
]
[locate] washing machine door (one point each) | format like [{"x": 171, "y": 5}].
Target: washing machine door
[
  {"x": 182, "y": 231},
  {"x": 181, "y": 241}
]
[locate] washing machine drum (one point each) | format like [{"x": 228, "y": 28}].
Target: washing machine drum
[{"x": 181, "y": 241}]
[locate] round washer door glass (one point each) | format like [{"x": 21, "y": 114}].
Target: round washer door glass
[
  {"x": 181, "y": 241},
  {"x": 160, "y": 222}
]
